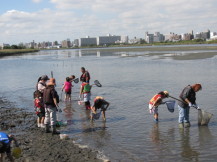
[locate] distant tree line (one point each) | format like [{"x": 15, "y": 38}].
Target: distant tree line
[{"x": 14, "y": 47}]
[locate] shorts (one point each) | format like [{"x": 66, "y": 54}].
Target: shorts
[
  {"x": 86, "y": 97},
  {"x": 153, "y": 110},
  {"x": 41, "y": 113},
  {"x": 6, "y": 148},
  {"x": 68, "y": 91}
]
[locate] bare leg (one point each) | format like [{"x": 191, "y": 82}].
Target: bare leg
[
  {"x": 103, "y": 115},
  {"x": 1, "y": 157}
]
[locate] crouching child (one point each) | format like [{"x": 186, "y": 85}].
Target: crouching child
[{"x": 99, "y": 103}]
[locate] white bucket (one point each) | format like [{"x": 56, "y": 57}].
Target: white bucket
[{"x": 64, "y": 136}]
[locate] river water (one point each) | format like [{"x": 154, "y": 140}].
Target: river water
[{"x": 129, "y": 80}]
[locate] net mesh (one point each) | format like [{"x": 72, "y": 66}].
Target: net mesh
[
  {"x": 171, "y": 105},
  {"x": 97, "y": 83},
  {"x": 204, "y": 117},
  {"x": 76, "y": 80}
]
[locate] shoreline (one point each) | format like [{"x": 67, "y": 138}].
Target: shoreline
[
  {"x": 37, "y": 145},
  {"x": 13, "y": 52}
]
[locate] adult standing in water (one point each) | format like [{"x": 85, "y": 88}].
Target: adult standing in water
[
  {"x": 187, "y": 100},
  {"x": 85, "y": 76}
]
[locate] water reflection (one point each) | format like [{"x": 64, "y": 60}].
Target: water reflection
[
  {"x": 187, "y": 151},
  {"x": 205, "y": 135}
]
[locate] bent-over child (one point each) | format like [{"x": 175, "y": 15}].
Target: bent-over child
[{"x": 155, "y": 102}]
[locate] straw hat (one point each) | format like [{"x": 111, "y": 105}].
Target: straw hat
[{"x": 166, "y": 93}]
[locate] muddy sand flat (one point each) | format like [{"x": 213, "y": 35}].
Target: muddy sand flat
[{"x": 36, "y": 145}]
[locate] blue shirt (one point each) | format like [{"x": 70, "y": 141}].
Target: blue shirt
[{"x": 4, "y": 138}]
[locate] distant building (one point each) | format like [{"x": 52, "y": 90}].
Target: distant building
[
  {"x": 187, "y": 36},
  {"x": 203, "y": 35},
  {"x": 87, "y": 41},
  {"x": 76, "y": 43},
  {"x": 149, "y": 38},
  {"x": 107, "y": 40},
  {"x": 66, "y": 43},
  {"x": 213, "y": 36},
  {"x": 156, "y": 37},
  {"x": 135, "y": 41},
  {"x": 124, "y": 40},
  {"x": 172, "y": 37}
]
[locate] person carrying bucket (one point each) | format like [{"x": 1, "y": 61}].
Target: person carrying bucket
[
  {"x": 156, "y": 101},
  {"x": 187, "y": 100},
  {"x": 5, "y": 146}
]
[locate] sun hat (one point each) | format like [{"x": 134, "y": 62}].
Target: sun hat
[{"x": 166, "y": 93}]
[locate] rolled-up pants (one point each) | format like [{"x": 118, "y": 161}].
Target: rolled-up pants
[{"x": 50, "y": 115}]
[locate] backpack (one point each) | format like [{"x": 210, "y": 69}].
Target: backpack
[
  {"x": 47, "y": 97},
  {"x": 87, "y": 88}
]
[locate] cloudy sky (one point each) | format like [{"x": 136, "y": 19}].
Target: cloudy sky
[{"x": 49, "y": 20}]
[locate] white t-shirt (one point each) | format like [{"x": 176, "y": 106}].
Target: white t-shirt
[{"x": 41, "y": 86}]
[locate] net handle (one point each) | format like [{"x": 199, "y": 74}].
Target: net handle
[{"x": 182, "y": 101}]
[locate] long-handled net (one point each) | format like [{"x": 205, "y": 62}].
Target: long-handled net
[
  {"x": 97, "y": 115},
  {"x": 97, "y": 83},
  {"x": 76, "y": 80},
  {"x": 204, "y": 117},
  {"x": 171, "y": 105}
]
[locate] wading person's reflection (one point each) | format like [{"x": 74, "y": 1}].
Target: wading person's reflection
[{"x": 187, "y": 151}]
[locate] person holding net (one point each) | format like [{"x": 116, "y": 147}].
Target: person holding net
[
  {"x": 187, "y": 100},
  {"x": 99, "y": 103},
  {"x": 156, "y": 101}
]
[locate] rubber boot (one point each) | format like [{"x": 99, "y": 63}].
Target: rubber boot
[
  {"x": 47, "y": 128},
  {"x": 54, "y": 131},
  {"x": 187, "y": 124},
  {"x": 181, "y": 125}
]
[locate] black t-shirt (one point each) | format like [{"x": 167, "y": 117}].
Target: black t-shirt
[
  {"x": 49, "y": 94},
  {"x": 100, "y": 104},
  {"x": 188, "y": 93}
]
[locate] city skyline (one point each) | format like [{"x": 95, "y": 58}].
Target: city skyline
[{"x": 46, "y": 20}]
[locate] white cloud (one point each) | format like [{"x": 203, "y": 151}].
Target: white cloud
[{"x": 75, "y": 19}]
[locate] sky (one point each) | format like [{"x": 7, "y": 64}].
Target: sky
[{"x": 57, "y": 20}]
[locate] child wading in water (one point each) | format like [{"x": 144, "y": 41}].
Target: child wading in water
[
  {"x": 156, "y": 101},
  {"x": 85, "y": 93},
  {"x": 99, "y": 103},
  {"x": 68, "y": 89}
]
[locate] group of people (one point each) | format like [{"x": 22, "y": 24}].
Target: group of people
[
  {"x": 186, "y": 100},
  {"x": 46, "y": 99}
]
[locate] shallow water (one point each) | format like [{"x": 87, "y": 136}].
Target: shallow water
[{"x": 129, "y": 133}]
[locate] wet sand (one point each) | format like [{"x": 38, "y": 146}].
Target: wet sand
[{"x": 35, "y": 144}]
